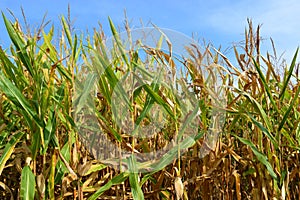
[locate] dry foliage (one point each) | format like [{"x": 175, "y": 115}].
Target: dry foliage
[{"x": 256, "y": 155}]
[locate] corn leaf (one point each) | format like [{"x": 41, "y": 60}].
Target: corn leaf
[
  {"x": 85, "y": 93},
  {"x": 136, "y": 190},
  {"x": 291, "y": 105},
  {"x": 19, "y": 44},
  {"x": 118, "y": 41},
  {"x": 265, "y": 131},
  {"x": 290, "y": 72},
  {"x": 67, "y": 30},
  {"x": 260, "y": 156},
  {"x": 27, "y": 190},
  {"x": 15, "y": 95},
  {"x": 47, "y": 44},
  {"x": 259, "y": 108},
  {"x": 49, "y": 129},
  {"x": 94, "y": 168},
  {"x": 116, "y": 180},
  {"x": 11, "y": 70},
  {"x": 8, "y": 150},
  {"x": 266, "y": 86}
]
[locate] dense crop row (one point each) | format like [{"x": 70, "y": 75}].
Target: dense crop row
[{"x": 64, "y": 98}]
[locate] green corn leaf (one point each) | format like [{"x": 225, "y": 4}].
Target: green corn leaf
[
  {"x": 47, "y": 44},
  {"x": 114, "y": 181},
  {"x": 85, "y": 93},
  {"x": 11, "y": 70},
  {"x": 291, "y": 105},
  {"x": 266, "y": 86},
  {"x": 146, "y": 177},
  {"x": 4, "y": 136},
  {"x": 49, "y": 129},
  {"x": 14, "y": 94},
  {"x": 187, "y": 121},
  {"x": 117, "y": 136},
  {"x": 159, "y": 100},
  {"x": 37, "y": 140},
  {"x": 259, "y": 108},
  {"x": 8, "y": 150},
  {"x": 287, "y": 80},
  {"x": 149, "y": 100},
  {"x": 136, "y": 190},
  {"x": 265, "y": 131},
  {"x": 120, "y": 91},
  {"x": 61, "y": 169},
  {"x": 74, "y": 49},
  {"x": 172, "y": 154},
  {"x": 19, "y": 44},
  {"x": 104, "y": 89},
  {"x": 64, "y": 72},
  {"x": 27, "y": 190},
  {"x": 95, "y": 168},
  {"x": 107, "y": 77},
  {"x": 260, "y": 156},
  {"x": 118, "y": 41},
  {"x": 67, "y": 30},
  {"x": 111, "y": 77}
]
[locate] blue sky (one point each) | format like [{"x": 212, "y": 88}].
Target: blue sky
[{"x": 219, "y": 22}]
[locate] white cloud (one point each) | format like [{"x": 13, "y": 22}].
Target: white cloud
[{"x": 280, "y": 20}]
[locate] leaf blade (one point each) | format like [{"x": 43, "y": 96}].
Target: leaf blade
[
  {"x": 27, "y": 184},
  {"x": 8, "y": 150},
  {"x": 260, "y": 156}
]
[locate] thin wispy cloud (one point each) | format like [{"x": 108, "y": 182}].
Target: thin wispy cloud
[{"x": 279, "y": 19}]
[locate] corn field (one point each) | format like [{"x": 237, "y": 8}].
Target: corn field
[{"x": 63, "y": 98}]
